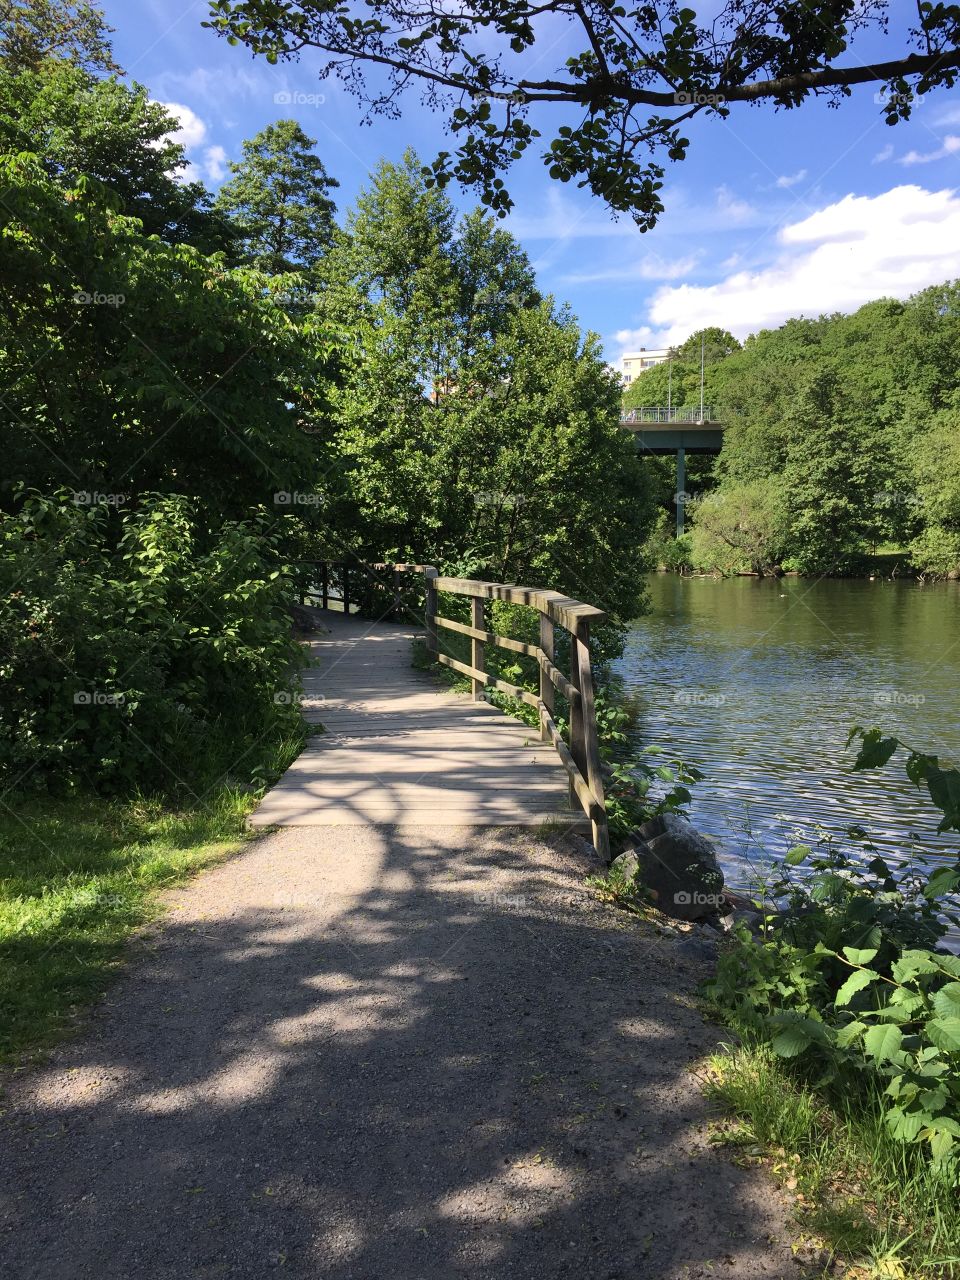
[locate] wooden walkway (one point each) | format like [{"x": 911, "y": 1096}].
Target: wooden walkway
[{"x": 399, "y": 749}]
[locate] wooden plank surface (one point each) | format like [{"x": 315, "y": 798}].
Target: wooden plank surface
[{"x": 397, "y": 748}]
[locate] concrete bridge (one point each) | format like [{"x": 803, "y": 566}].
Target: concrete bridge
[{"x": 664, "y": 430}]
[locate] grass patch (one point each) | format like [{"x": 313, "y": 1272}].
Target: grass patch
[
  {"x": 78, "y": 875},
  {"x": 871, "y": 1201}
]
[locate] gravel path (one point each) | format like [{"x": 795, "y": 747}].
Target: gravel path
[{"x": 385, "y": 1054}]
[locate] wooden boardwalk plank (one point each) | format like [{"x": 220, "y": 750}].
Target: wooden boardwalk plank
[{"x": 399, "y": 750}]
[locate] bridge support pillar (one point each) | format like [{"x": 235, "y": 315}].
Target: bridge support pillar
[{"x": 681, "y": 497}]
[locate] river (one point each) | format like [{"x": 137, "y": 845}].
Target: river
[{"x": 758, "y": 683}]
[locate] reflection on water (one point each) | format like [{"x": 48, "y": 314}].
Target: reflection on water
[{"x": 758, "y": 683}]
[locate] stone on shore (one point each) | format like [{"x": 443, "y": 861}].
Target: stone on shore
[{"x": 677, "y": 865}]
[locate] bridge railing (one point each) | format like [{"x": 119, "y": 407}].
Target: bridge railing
[
  {"x": 659, "y": 415},
  {"x": 580, "y": 753}
]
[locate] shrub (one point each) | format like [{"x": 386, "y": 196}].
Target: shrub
[
  {"x": 140, "y": 648},
  {"x": 851, "y": 979}
]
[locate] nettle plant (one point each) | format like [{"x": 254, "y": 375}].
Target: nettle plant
[{"x": 851, "y": 977}]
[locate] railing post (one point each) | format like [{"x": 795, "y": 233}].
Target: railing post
[
  {"x": 576, "y": 714},
  {"x": 477, "y": 659},
  {"x": 325, "y": 584},
  {"x": 546, "y": 684},
  {"x": 430, "y": 613},
  {"x": 345, "y": 579},
  {"x": 396, "y": 592},
  {"x": 590, "y": 741}
]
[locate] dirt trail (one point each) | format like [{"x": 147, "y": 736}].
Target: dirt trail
[{"x": 385, "y": 1054}]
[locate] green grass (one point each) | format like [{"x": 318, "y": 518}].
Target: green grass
[
  {"x": 873, "y": 1202},
  {"x": 78, "y": 875}
]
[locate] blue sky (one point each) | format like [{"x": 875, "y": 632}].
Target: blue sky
[{"x": 771, "y": 215}]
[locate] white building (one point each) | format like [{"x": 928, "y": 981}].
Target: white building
[{"x": 634, "y": 362}]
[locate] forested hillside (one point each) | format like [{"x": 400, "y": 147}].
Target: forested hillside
[{"x": 842, "y": 438}]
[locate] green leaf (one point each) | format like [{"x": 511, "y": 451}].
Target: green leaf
[
  {"x": 852, "y": 1032},
  {"x": 859, "y": 979},
  {"x": 905, "y": 1125},
  {"x": 941, "y": 1144},
  {"x": 875, "y": 750},
  {"x": 883, "y": 1042},
  {"x": 860, "y": 955},
  {"x": 946, "y": 1001},
  {"x": 945, "y": 1033},
  {"x": 792, "y": 1040},
  {"x": 799, "y": 853},
  {"x": 911, "y": 963}
]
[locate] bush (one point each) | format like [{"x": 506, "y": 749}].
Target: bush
[
  {"x": 140, "y": 648},
  {"x": 851, "y": 980}
]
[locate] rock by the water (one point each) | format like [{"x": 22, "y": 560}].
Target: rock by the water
[
  {"x": 626, "y": 865},
  {"x": 679, "y": 866},
  {"x": 303, "y": 618}
]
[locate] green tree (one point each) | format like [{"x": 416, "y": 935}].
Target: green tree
[
  {"x": 715, "y": 343},
  {"x": 829, "y": 482},
  {"x": 677, "y": 380},
  {"x": 33, "y": 32},
  {"x": 129, "y": 364},
  {"x": 632, "y": 80},
  {"x": 278, "y": 198},
  {"x": 738, "y": 530},
  {"x": 936, "y": 548},
  {"x": 111, "y": 131},
  {"x": 480, "y": 436}
]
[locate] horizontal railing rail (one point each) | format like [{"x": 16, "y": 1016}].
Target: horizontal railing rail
[
  {"x": 580, "y": 755},
  {"x": 656, "y": 414}
]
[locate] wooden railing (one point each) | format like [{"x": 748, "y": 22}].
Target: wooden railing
[{"x": 580, "y": 755}]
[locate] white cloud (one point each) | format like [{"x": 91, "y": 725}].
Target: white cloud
[
  {"x": 949, "y": 147},
  {"x": 859, "y": 248},
  {"x": 219, "y": 87},
  {"x": 884, "y": 154},
  {"x": 650, "y": 267},
  {"x": 204, "y": 163},
  {"x": 732, "y": 208},
  {"x": 215, "y": 164},
  {"x": 791, "y": 179},
  {"x": 560, "y": 219},
  {"x": 635, "y": 339},
  {"x": 948, "y": 116},
  {"x": 192, "y": 130}
]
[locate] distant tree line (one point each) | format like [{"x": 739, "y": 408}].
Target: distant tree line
[{"x": 842, "y": 440}]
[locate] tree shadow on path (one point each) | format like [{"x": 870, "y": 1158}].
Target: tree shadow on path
[{"x": 371, "y": 1053}]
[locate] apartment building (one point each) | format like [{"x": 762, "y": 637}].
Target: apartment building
[{"x": 634, "y": 362}]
